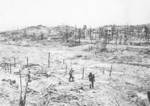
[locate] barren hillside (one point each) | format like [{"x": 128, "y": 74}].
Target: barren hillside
[{"x": 125, "y": 86}]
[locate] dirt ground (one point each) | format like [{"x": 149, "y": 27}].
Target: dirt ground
[{"x": 127, "y": 85}]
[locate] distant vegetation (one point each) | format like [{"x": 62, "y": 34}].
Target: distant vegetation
[{"x": 127, "y": 34}]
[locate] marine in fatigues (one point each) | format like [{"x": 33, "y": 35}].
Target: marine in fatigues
[
  {"x": 71, "y": 78},
  {"x": 91, "y": 79}
]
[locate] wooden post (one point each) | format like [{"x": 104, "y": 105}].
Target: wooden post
[
  {"x": 49, "y": 59},
  {"x": 27, "y": 61},
  {"x": 110, "y": 71},
  {"x": 25, "y": 95},
  {"x": 20, "y": 89},
  {"x": 66, "y": 68},
  {"x": 14, "y": 62},
  {"x": 83, "y": 72}
]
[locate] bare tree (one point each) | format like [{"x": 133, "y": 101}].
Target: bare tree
[
  {"x": 66, "y": 35},
  {"x": 113, "y": 30},
  {"x": 79, "y": 33},
  {"x": 84, "y": 31},
  {"x": 120, "y": 38},
  {"x": 125, "y": 35},
  {"x": 117, "y": 36},
  {"x": 146, "y": 33},
  {"x": 99, "y": 33},
  {"x": 106, "y": 35},
  {"x": 90, "y": 34},
  {"x": 138, "y": 31},
  {"x": 42, "y": 36}
]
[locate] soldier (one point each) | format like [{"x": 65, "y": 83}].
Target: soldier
[
  {"x": 71, "y": 78},
  {"x": 91, "y": 79}
]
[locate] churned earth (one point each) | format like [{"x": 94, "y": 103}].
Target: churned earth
[{"x": 126, "y": 85}]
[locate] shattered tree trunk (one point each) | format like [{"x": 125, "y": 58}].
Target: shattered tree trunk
[
  {"x": 146, "y": 34},
  {"x": 138, "y": 31},
  {"x": 125, "y": 39},
  {"x": 75, "y": 39},
  {"x": 79, "y": 35},
  {"x": 125, "y": 36},
  {"x": 140, "y": 36},
  {"x": 117, "y": 36},
  {"x": 106, "y": 37},
  {"x": 120, "y": 40},
  {"x": 112, "y": 34},
  {"x": 90, "y": 34},
  {"x": 79, "y": 39}
]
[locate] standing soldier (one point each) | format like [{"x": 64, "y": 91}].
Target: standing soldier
[
  {"x": 71, "y": 78},
  {"x": 91, "y": 79}
]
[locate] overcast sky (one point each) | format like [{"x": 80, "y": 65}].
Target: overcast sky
[{"x": 22, "y": 13}]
